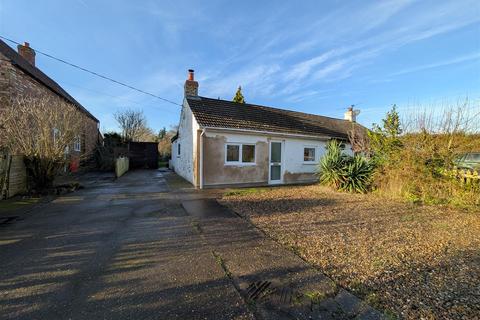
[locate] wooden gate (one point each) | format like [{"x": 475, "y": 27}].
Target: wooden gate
[{"x": 143, "y": 155}]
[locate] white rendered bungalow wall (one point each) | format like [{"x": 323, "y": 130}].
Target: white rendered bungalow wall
[
  {"x": 217, "y": 171},
  {"x": 184, "y": 149}
]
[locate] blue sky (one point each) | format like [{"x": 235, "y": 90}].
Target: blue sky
[{"x": 312, "y": 56}]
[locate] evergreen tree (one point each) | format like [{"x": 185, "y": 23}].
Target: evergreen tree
[
  {"x": 239, "y": 96},
  {"x": 385, "y": 139}
]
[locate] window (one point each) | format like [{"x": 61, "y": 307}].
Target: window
[
  {"x": 236, "y": 153},
  {"x": 309, "y": 154},
  {"x": 77, "y": 144},
  {"x": 233, "y": 153},
  {"x": 178, "y": 150},
  {"x": 248, "y": 153},
  {"x": 56, "y": 135}
]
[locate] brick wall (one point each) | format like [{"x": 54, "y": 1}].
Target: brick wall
[{"x": 15, "y": 82}]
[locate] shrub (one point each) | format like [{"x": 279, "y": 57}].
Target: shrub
[
  {"x": 344, "y": 172},
  {"x": 413, "y": 158}
]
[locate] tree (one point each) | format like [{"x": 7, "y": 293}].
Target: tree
[
  {"x": 133, "y": 125},
  {"x": 161, "y": 134},
  {"x": 239, "y": 96},
  {"x": 165, "y": 143},
  {"x": 385, "y": 140},
  {"x": 43, "y": 130}
]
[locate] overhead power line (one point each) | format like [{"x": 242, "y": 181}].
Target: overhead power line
[{"x": 95, "y": 73}]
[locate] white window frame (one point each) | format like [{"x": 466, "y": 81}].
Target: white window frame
[
  {"x": 77, "y": 144},
  {"x": 314, "y": 161},
  {"x": 55, "y": 133},
  {"x": 240, "y": 153}
]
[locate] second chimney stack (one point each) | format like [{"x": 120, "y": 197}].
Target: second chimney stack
[{"x": 27, "y": 53}]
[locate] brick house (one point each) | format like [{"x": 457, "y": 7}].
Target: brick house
[{"x": 20, "y": 77}]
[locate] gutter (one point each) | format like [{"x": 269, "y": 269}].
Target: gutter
[{"x": 201, "y": 157}]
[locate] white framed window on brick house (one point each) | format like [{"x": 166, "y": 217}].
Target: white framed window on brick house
[
  {"x": 77, "y": 144},
  {"x": 55, "y": 135},
  {"x": 309, "y": 154},
  {"x": 239, "y": 154}
]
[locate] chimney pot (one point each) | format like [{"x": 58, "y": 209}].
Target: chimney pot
[
  {"x": 191, "y": 74},
  {"x": 26, "y": 52},
  {"x": 191, "y": 86}
]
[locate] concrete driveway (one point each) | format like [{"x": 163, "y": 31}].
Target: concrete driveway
[{"x": 146, "y": 246}]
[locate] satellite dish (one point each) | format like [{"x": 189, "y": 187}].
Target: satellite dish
[{"x": 356, "y": 112}]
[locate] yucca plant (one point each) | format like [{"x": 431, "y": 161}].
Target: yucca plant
[
  {"x": 344, "y": 172},
  {"x": 358, "y": 175},
  {"x": 332, "y": 165}
]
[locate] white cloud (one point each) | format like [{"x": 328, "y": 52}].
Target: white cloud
[{"x": 457, "y": 60}]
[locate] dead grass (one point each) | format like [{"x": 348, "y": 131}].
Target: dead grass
[{"x": 418, "y": 261}]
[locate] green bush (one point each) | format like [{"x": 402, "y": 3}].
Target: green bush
[{"x": 344, "y": 172}]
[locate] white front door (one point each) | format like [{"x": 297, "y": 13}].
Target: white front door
[{"x": 276, "y": 162}]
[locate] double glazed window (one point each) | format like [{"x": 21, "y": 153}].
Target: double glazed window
[
  {"x": 77, "y": 144},
  {"x": 309, "y": 154},
  {"x": 237, "y": 153}
]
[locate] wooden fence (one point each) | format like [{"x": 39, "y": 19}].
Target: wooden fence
[
  {"x": 13, "y": 175},
  {"x": 467, "y": 176},
  {"x": 121, "y": 166}
]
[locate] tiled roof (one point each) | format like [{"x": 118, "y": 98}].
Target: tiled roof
[
  {"x": 227, "y": 114},
  {"x": 41, "y": 77}
]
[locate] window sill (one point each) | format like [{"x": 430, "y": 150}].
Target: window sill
[
  {"x": 240, "y": 164},
  {"x": 310, "y": 162}
]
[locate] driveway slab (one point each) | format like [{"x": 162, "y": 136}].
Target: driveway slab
[{"x": 119, "y": 250}]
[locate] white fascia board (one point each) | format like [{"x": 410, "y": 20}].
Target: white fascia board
[{"x": 279, "y": 134}]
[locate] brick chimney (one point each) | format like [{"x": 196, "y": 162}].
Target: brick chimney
[
  {"x": 351, "y": 115},
  {"x": 27, "y": 53},
  {"x": 191, "y": 86}
]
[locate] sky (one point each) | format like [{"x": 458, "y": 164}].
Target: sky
[{"x": 312, "y": 56}]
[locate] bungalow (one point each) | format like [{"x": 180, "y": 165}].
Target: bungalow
[{"x": 224, "y": 143}]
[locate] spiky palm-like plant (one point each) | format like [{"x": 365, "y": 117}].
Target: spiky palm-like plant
[
  {"x": 344, "y": 172},
  {"x": 358, "y": 175},
  {"x": 331, "y": 166}
]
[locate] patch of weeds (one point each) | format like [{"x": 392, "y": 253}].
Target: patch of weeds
[
  {"x": 373, "y": 299},
  {"x": 378, "y": 263},
  {"x": 390, "y": 315},
  {"x": 244, "y": 191},
  {"x": 442, "y": 225},
  {"x": 407, "y": 217},
  {"x": 413, "y": 198},
  {"x": 222, "y": 264},
  {"x": 297, "y": 298},
  {"x": 196, "y": 226},
  {"x": 315, "y": 296}
]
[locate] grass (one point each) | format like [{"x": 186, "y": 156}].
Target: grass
[
  {"x": 418, "y": 261},
  {"x": 162, "y": 164},
  {"x": 15, "y": 203},
  {"x": 244, "y": 191}
]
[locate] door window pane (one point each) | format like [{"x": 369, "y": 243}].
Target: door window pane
[
  {"x": 275, "y": 172},
  {"x": 233, "y": 153},
  {"x": 308, "y": 154},
  {"x": 276, "y": 152},
  {"x": 248, "y": 153}
]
